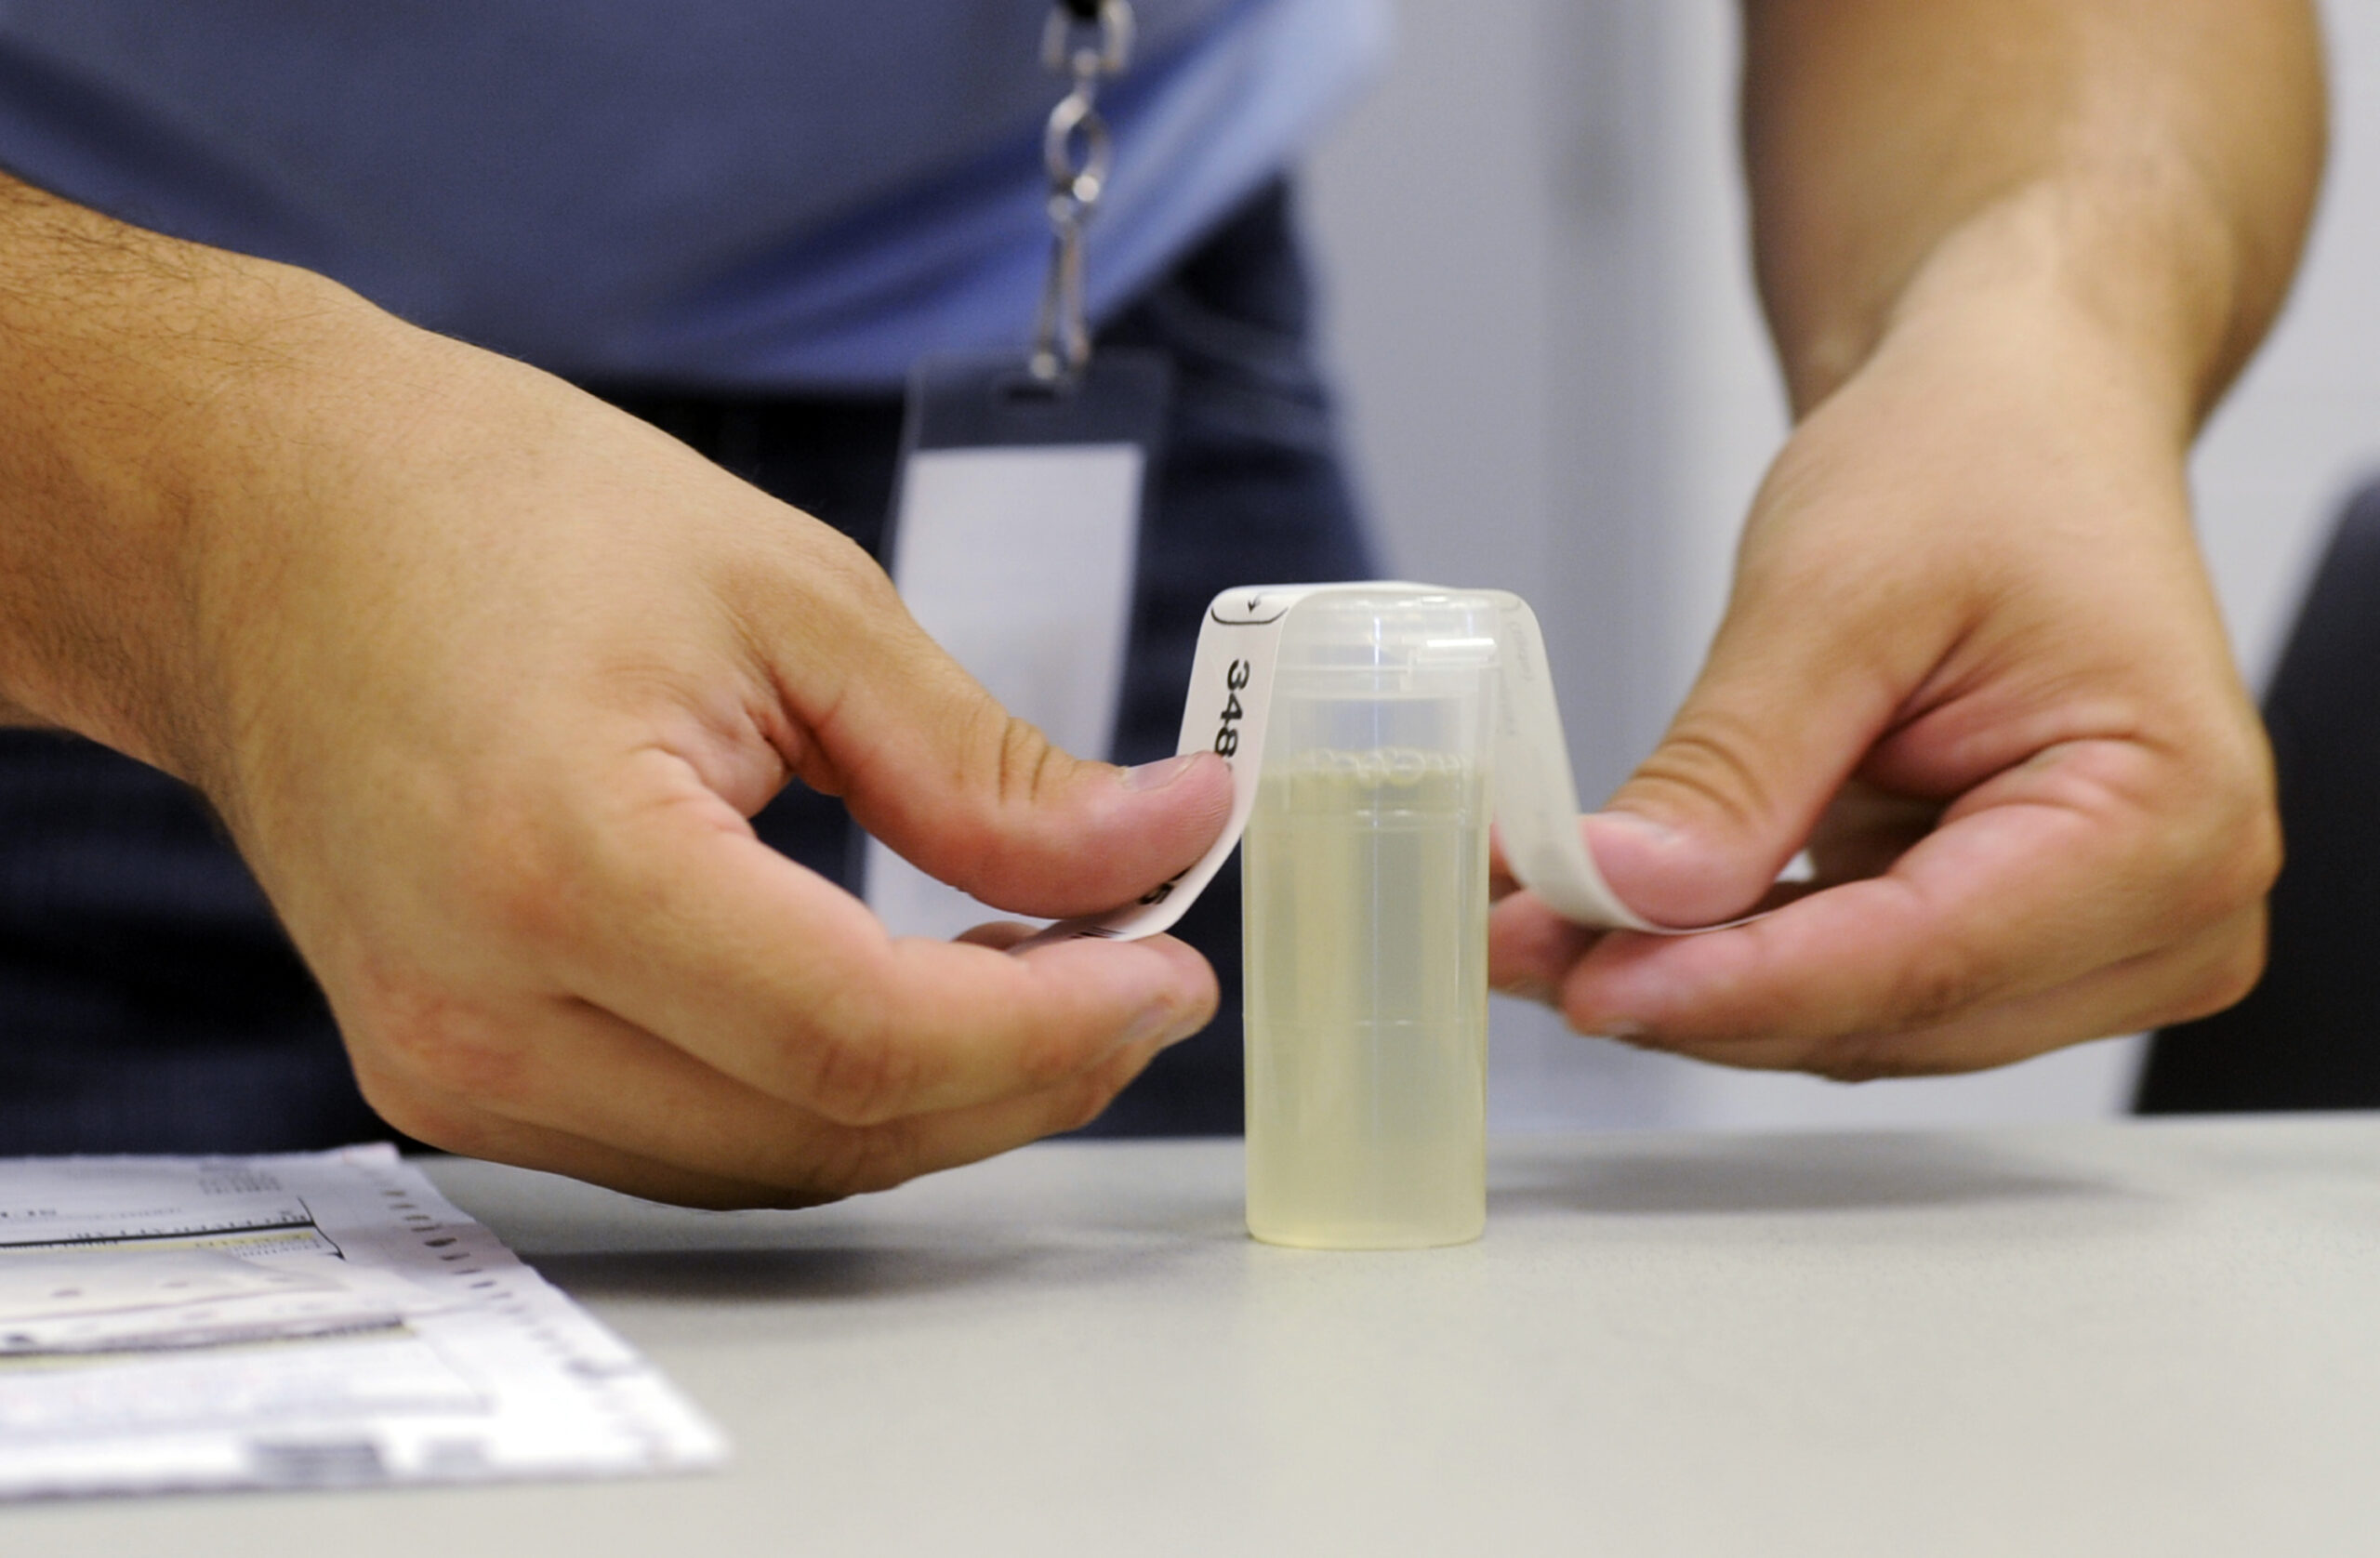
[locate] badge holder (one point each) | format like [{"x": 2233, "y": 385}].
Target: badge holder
[{"x": 1015, "y": 532}]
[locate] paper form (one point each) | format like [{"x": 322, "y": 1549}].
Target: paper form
[{"x": 302, "y": 1320}]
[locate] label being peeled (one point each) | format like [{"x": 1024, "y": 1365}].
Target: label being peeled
[{"x": 1536, "y": 798}]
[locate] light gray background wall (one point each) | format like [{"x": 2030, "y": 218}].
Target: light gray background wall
[{"x": 1532, "y": 234}]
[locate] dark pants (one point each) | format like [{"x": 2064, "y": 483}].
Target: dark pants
[
  {"x": 149, "y": 1002},
  {"x": 2308, "y": 1036}
]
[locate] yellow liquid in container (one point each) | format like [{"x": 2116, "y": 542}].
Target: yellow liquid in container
[{"x": 1365, "y": 925}]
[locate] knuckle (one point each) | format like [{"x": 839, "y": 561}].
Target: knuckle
[
  {"x": 856, "y": 1072},
  {"x": 1713, "y": 756},
  {"x": 2224, "y": 980},
  {"x": 434, "y": 1039},
  {"x": 844, "y": 596},
  {"x": 1850, "y": 1064},
  {"x": 860, "y": 576},
  {"x": 527, "y": 890},
  {"x": 1872, "y": 1058},
  {"x": 1088, "y": 1100},
  {"x": 863, "y": 1159},
  {"x": 1009, "y": 770},
  {"x": 427, "y": 1114},
  {"x": 1086, "y": 1105},
  {"x": 1029, "y": 764},
  {"x": 1941, "y": 980},
  {"x": 842, "y": 573},
  {"x": 2250, "y": 861},
  {"x": 2233, "y": 856},
  {"x": 1046, "y": 1056}
]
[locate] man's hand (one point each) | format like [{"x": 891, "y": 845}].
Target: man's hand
[
  {"x": 2012, "y": 251},
  {"x": 1969, "y": 623},
  {"x": 486, "y": 677}
]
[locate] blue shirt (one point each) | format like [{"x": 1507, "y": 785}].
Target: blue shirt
[{"x": 786, "y": 194}]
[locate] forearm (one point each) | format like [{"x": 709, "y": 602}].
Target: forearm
[
  {"x": 146, "y": 386},
  {"x": 2147, "y": 168}
]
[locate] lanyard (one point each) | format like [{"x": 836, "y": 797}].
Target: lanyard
[{"x": 1090, "y": 41}]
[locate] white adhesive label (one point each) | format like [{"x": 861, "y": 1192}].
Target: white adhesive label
[{"x": 1536, "y": 798}]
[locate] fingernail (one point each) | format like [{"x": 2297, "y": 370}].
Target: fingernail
[
  {"x": 1164, "y": 1025},
  {"x": 1643, "y": 827},
  {"x": 1159, "y": 774}
]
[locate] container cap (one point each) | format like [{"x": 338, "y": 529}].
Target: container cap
[{"x": 1390, "y": 629}]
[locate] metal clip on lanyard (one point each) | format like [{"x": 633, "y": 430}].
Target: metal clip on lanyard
[{"x": 1091, "y": 41}]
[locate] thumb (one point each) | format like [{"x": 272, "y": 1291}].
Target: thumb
[
  {"x": 933, "y": 765},
  {"x": 1785, "y": 709}
]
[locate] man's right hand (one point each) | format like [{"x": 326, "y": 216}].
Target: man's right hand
[{"x": 485, "y": 677}]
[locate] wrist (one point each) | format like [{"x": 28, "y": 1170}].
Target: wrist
[
  {"x": 146, "y": 385},
  {"x": 2137, "y": 297}
]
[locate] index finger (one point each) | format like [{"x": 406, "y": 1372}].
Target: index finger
[
  {"x": 691, "y": 929},
  {"x": 2069, "y": 864}
]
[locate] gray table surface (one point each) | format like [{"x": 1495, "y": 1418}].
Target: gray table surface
[{"x": 2125, "y": 1339}]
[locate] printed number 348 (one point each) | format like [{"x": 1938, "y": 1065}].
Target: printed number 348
[{"x": 1227, "y": 737}]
